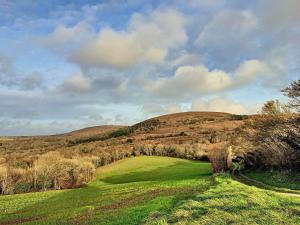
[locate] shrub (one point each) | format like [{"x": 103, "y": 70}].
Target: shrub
[
  {"x": 239, "y": 117},
  {"x": 218, "y": 159},
  {"x": 15, "y": 180},
  {"x": 50, "y": 171}
]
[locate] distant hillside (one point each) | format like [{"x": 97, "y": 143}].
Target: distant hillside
[
  {"x": 91, "y": 131},
  {"x": 208, "y": 129}
]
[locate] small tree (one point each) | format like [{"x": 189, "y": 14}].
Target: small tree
[
  {"x": 293, "y": 92},
  {"x": 273, "y": 107}
]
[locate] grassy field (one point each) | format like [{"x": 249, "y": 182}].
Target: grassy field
[
  {"x": 125, "y": 192},
  {"x": 153, "y": 190},
  {"x": 276, "y": 178},
  {"x": 231, "y": 202}
]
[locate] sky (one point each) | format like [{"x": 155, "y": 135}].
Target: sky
[{"x": 66, "y": 65}]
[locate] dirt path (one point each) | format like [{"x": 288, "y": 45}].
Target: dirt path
[{"x": 252, "y": 182}]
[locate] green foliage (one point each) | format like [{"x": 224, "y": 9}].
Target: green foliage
[
  {"x": 239, "y": 117},
  {"x": 120, "y": 132},
  {"x": 237, "y": 166},
  {"x": 154, "y": 190}
]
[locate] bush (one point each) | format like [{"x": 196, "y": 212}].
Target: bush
[
  {"x": 50, "y": 171},
  {"x": 15, "y": 180},
  {"x": 239, "y": 117},
  {"x": 218, "y": 159}
]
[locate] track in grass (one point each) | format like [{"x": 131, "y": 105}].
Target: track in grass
[{"x": 125, "y": 192}]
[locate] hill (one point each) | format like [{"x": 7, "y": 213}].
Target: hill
[
  {"x": 92, "y": 131},
  {"x": 191, "y": 128}
]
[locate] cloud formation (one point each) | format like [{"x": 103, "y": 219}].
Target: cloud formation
[
  {"x": 76, "y": 84},
  {"x": 218, "y": 104},
  {"x": 147, "y": 39},
  {"x": 199, "y": 80}
]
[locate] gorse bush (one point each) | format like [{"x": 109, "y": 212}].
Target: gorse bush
[{"x": 49, "y": 171}]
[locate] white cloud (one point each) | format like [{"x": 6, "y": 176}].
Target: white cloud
[
  {"x": 173, "y": 108},
  {"x": 147, "y": 39},
  {"x": 67, "y": 38},
  {"x": 76, "y": 84},
  {"x": 219, "y": 105},
  {"x": 155, "y": 109},
  {"x": 194, "y": 80},
  {"x": 116, "y": 49},
  {"x": 249, "y": 70}
]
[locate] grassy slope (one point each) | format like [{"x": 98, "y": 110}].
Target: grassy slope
[
  {"x": 275, "y": 178},
  {"x": 154, "y": 190},
  {"x": 125, "y": 192},
  {"x": 231, "y": 202}
]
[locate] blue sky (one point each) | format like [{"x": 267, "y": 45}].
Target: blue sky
[{"x": 65, "y": 65}]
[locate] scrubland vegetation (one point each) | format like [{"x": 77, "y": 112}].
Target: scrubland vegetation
[
  {"x": 271, "y": 140},
  {"x": 49, "y": 171}
]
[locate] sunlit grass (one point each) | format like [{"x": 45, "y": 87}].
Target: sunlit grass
[
  {"x": 125, "y": 192},
  {"x": 154, "y": 190},
  {"x": 231, "y": 202}
]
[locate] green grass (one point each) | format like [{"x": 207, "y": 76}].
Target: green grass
[
  {"x": 275, "y": 178},
  {"x": 231, "y": 202},
  {"x": 154, "y": 191},
  {"x": 126, "y": 192}
]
